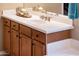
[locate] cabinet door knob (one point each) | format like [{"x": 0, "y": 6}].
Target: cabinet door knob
[
  {"x": 14, "y": 25},
  {"x": 17, "y": 36},
  {"x": 37, "y": 35},
  {"x": 8, "y": 31}
]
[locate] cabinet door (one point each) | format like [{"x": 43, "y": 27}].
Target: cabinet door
[
  {"x": 6, "y": 39},
  {"x": 14, "y": 43},
  {"x": 38, "y": 49},
  {"x": 25, "y": 46}
]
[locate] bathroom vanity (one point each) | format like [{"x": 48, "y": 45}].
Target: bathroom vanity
[{"x": 30, "y": 36}]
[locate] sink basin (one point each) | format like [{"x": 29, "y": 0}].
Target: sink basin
[{"x": 40, "y": 22}]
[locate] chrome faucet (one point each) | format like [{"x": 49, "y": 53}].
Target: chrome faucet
[{"x": 46, "y": 18}]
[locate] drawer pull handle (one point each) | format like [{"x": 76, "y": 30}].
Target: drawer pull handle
[
  {"x": 14, "y": 25},
  {"x": 36, "y": 35},
  {"x": 8, "y": 31},
  {"x": 17, "y": 36}
]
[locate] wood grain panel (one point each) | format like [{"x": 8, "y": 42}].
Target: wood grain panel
[
  {"x": 6, "y": 21},
  {"x": 25, "y": 46},
  {"x": 39, "y": 36},
  {"x": 38, "y": 49},
  {"x": 14, "y": 25},
  {"x": 14, "y": 43},
  {"x": 6, "y": 39},
  {"x": 25, "y": 30},
  {"x": 57, "y": 36}
]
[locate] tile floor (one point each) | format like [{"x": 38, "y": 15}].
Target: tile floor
[{"x": 68, "y": 47}]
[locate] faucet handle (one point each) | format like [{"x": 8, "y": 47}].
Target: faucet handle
[
  {"x": 42, "y": 17},
  {"x": 49, "y": 18}
]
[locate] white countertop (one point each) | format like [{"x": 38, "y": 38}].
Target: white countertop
[{"x": 36, "y": 23}]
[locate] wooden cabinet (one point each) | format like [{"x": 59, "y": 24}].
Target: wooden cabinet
[
  {"x": 25, "y": 45},
  {"x": 20, "y": 40},
  {"x": 14, "y": 43},
  {"x": 25, "y": 41},
  {"x": 6, "y": 39},
  {"x": 38, "y": 48}
]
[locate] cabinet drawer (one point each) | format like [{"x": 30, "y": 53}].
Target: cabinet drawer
[
  {"x": 6, "y": 21},
  {"x": 25, "y": 30},
  {"x": 38, "y": 36},
  {"x": 14, "y": 25}
]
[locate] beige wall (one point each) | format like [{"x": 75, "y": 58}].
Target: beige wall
[
  {"x": 75, "y": 32},
  {"x": 54, "y": 7},
  {"x": 2, "y": 7},
  {"x": 9, "y": 5}
]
